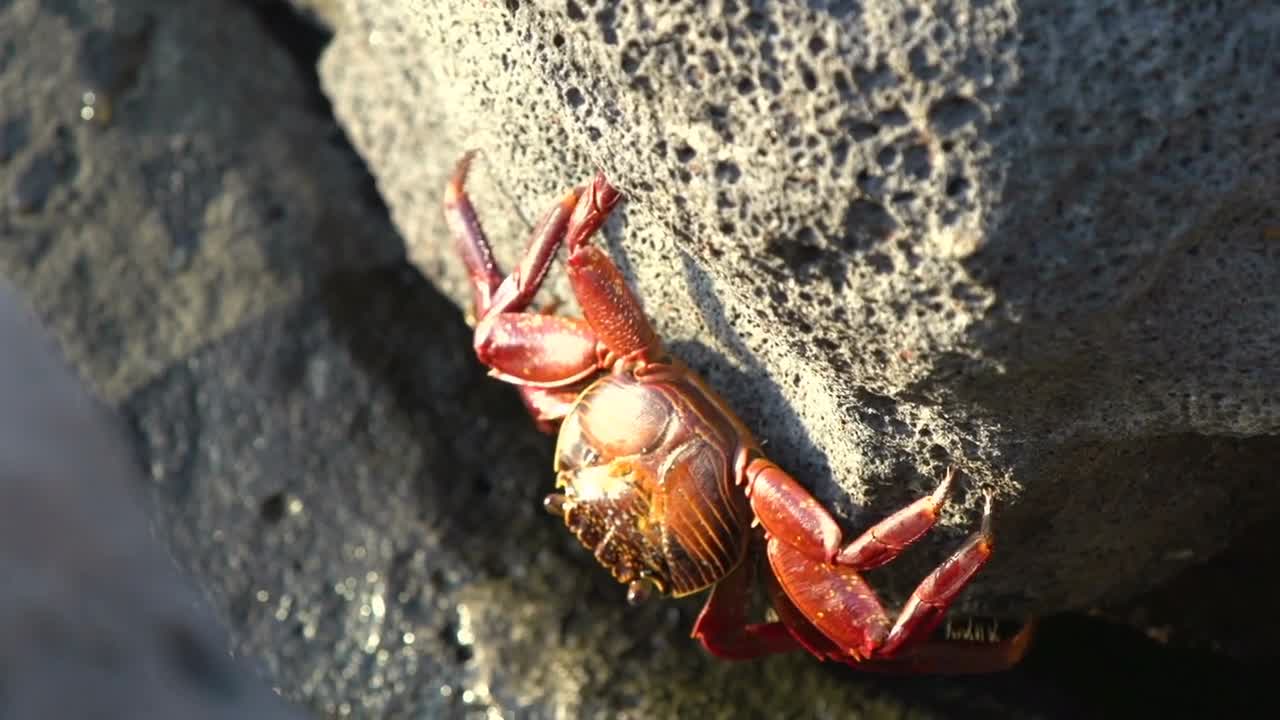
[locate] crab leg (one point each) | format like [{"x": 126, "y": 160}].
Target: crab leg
[
  {"x": 957, "y": 657},
  {"x": 534, "y": 351},
  {"x": 940, "y": 655},
  {"x": 885, "y": 540},
  {"x": 928, "y": 604},
  {"x": 823, "y": 580},
  {"x": 607, "y": 302},
  {"x": 836, "y": 599},
  {"x": 469, "y": 238},
  {"x": 722, "y": 626},
  {"x": 791, "y": 513}
]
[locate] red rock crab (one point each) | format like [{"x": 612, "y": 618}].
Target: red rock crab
[{"x": 667, "y": 486}]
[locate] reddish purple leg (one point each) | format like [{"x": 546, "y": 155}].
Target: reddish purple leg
[
  {"x": 822, "y": 580},
  {"x": 544, "y": 355},
  {"x": 549, "y": 357},
  {"x": 722, "y": 627},
  {"x": 607, "y": 302}
]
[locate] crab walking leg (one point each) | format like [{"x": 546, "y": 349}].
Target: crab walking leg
[
  {"x": 722, "y": 626},
  {"x": 532, "y": 350},
  {"x": 493, "y": 292},
  {"x": 927, "y": 605},
  {"x": 536, "y": 351},
  {"x": 790, "y": 513},
  {"x": 941, "y": 656},
  {"x": 833, "y": 598},
  {"x": 839, "y": 603},
  {"x": 885, "y": 540},
  {"x": 468, "y": 237}
]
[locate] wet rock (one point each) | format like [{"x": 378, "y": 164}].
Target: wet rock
[{"x": 1005, "y": 235}]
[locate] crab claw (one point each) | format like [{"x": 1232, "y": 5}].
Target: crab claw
[{"x": 594, "y": 206}]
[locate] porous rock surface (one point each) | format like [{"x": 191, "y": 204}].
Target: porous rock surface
[{"x": 1035, "y": 239}]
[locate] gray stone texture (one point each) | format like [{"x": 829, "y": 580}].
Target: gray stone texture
[
  {"x": 1036, "y": 239},
  {"x": 321, "y": 454}
]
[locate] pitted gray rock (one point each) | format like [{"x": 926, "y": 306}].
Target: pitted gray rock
[{"x": 1030, "y": 238}]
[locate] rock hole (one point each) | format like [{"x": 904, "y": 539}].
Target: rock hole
[
  {"x": 892, "y": 118},
  {"x": 880, "y": 262},
  {"x": 860, "y": 131},
  {"x": 632, "y": 53},
  {"x": 574, "y": 11},
  {"x": 840, "y": 153},
  {"x": 271, "y": 510},
  {"x": 684, "y": 153},
  {"x": 842, "y": 8},
  {"x": 957, "y": 186},
  {"x": 606, "y": 19},
  {"x": 921, "y": 67},
  {"x": 574, "y": 97},
  {"x": 807, "y": 76},
  {"x": 728, "y": 171},
  {"x": 952, "y": 113},
  {"x": 795, "y": 254},
  {"x": 865, "y": 224},
  {"x": 769, "y": 82},
  {"x": 711, "y": 62},
  {"x": 870, "y": 79},
  {"x": 916, "y": 162}
]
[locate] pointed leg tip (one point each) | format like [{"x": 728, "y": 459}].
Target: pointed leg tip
[
  {"x": 944, "y": 487},
  {"x": 453, "y": 190},
  {"x": 988, "y": 503},
  {"x": 463, "y": 165}
]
